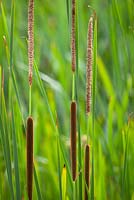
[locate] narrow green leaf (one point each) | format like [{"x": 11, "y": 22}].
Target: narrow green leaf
[
  {"x": 37, "y": 185},
  {"x": 43, "y": 91},
  {"x": 67, "y": 165},
  {"x": 59, "y": 172},
  {"x": 6, "y": 144},
  {"x": 16, "y": 163}
]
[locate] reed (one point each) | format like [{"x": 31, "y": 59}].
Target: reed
[
  {"x": 87, "y": 171},
  {"x": 73, "y": 140},
  {"x": 29, "y": 157}
]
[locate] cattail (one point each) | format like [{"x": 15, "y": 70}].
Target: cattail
[
  {"x": 29, "y": 157},
  {"x": 89, "y": 65},
  {"x": 73, "y": 48},
  {"x": 73, "y": 139},
  {"x": 87, "y": 171},
  {"x": 30, "y": 38}
]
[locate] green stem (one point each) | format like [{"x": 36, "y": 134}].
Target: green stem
[
  {"x": 73, "y": 87},
  {"x": 30, "y": 99},
  {"x": 87, "y": 127},
  {"x": 74, "y": 193}
]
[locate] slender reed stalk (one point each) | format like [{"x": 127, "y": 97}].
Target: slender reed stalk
[
  {"x": 30, "y": 47},
  {"x": 29, "y": 157},
  {"x": 30, "y": 38},
  {"x": 94, "y": 97},
  {"x": 73, "y": 139},
  {"x": 89, "y": 66},
  {"x": 73, "y": 41},
  {"x": 87, "y": 171}
]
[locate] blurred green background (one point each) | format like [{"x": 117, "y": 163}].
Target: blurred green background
[{"x": 114, "y": 147}]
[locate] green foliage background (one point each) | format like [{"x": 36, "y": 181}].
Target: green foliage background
[{"x": 114, "y": 148}]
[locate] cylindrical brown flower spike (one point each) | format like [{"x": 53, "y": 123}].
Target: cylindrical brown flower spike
[
  {"x": 87, "y": 170},
  {"x": 30, "y": 38},
  {"x": 73, "y": 139},
  {"x": 89, "y": 65},
  {"x": 29, "y": 157},
  {"x": 73, "y": 41}
]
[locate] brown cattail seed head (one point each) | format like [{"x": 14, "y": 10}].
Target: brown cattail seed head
[
  {"x": 30, "y": 38},
  {"x": 73, "y": 139},
  {"x": 89, "y": 65},
  {"x": 73, "y": 42},
  {"x": 29, "y": 157},
  {"x": 87, "y": 170}
]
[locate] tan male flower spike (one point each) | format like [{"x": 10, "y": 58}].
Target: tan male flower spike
[
  {"x": 30, "y": 38},
  {"x": 73, "y": 41},
  {"x": 89, "y": 65}
]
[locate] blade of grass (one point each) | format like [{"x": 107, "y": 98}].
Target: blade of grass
[
  {"x": 17, "y": 95},
  {"x": 43, "y": 91},
  {"x": 59, "y": 173},
  {"x": 4, "y": 20},
  {"x": 6, "y": 144},
  {"x": 66, "y": 163},
  {"x": 16, "y": 164},
  {"x": 67, "y": 5},
  {"x": 126, "y": 135},
  {"x": 37, "y": 185},
  {"x": 10, "y": 60},
  {"x": 12, "y": 35}
]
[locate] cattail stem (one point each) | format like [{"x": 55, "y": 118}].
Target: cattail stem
[
  {"x": 89, "y": 66},
  {"x": 73, "y": 87},
  {"x": 29, "y": 157},
  {"x": 73, "y": 139},
  {"x": 30, "y": 100},
  {"x": 30, "y": 38},
  {"x": 74, "y": 192},
  {"x": 87, "y": 170},
  {"x": 73, "y": 36}
]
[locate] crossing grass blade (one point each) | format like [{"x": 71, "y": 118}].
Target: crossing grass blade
[
  {"x": 6, "y": 144},
  {"x": 12, "y": 34},
  {"x": 126, "y": 141},
  {"x": 68, "y": 14},
  {"x": 16, "y": 163},
  {"x": 59, "y": 167},
  {"x": 43, "y": 92},
  {"x": 37, "y": 185},
  {"x": 10, "y": 61},
  {"x": 67, "y": 165},
  {"x": 4, "y": 20}
]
